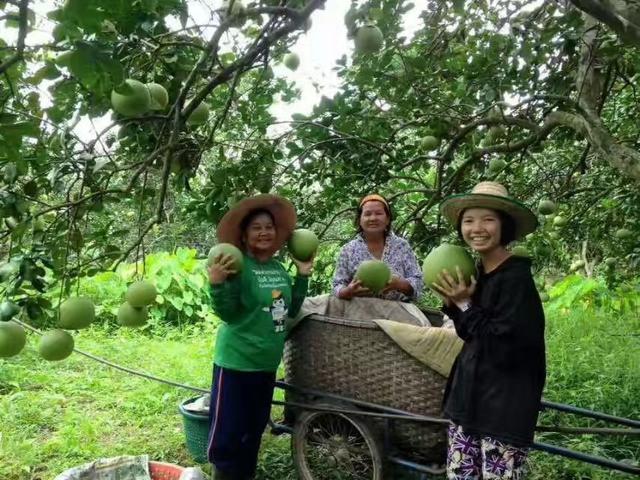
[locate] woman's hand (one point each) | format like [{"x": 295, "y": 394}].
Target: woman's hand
[
  {"x": 354, "y": 289},
  {"x": 304, "y": 268},
  {"x": 220, "y": 269},
  {"x": 455, "y": 289},
  {"x": 400, "y": 284}
]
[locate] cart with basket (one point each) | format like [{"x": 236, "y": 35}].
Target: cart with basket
[{"x": 357, "y": 404}]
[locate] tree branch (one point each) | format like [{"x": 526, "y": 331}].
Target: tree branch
[
  {"x": 23, "y": 11},
  {"x": 623, "y": 21}
]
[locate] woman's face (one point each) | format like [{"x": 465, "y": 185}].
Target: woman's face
[
  {"x": 260, "y": 234},
  {"x": 374, "y": 218},
  {"x": 481, "y": 229}
]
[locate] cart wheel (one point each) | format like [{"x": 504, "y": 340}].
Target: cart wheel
[{"x": 334, "y": 446}]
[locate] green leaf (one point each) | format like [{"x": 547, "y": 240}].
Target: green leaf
[
  {"x": 48, "y": 72},
  {"x": 376, "y": 14},
  {"x": 12, "y": 131},
  {"x": 6, "y": 117}
]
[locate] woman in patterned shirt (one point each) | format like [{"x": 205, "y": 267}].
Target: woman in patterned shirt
[{"x": 375, "y": 240}]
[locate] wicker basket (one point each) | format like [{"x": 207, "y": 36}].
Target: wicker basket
[
  {"x": 164, "y": 471},
  {"x": 355, "y": 359},
  {"x": 196, "y": 431}
]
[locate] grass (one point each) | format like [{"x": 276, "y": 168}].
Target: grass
[{"x": 57, "y": 415}]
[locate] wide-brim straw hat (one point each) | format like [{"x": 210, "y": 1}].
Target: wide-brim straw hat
[
  {"x": 284, "y": 215},
  {"x": 495, "y": 196}
]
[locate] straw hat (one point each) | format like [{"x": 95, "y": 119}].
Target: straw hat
[
  {"x": 283, "y": 212},
  {"x": 495, "y": 196}
]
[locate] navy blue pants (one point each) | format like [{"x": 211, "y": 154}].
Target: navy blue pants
[{"x": 239, "y": 412}]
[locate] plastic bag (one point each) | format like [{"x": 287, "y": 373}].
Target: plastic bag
[
  {"x": 192, "y": 473},
  {"x": 118, "y": 468}
]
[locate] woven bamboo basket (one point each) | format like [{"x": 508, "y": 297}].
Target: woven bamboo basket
[{"x": 356, "y": 359}]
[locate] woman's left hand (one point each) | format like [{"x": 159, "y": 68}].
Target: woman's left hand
[
  {"x": 304, "y": 268},
  {"x": 455, "y": 289},
  {"x": 400, "y": 284}
]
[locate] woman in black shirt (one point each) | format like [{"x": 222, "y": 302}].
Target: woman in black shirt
[{"x": 495, "y": 387}]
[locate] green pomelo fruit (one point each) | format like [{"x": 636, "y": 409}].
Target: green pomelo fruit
[
  {"x": 55, "y": 345},
  {"x": 429, "y": 143},
  {"x": 554, "y": 235},
  {"x": 610, "y": 261},
  {"x": 235, "y": 11},
  {"x": 12, "y": 339},
  {"x": 559, "y": 221},
  {"x": 136, "y": 100},
  {"x": 497, "y": 164},
  {"x": 8, "y": 310},
  {"x": 159, "y": 96},
  {"x": 623, "y": 233},
  {"x": 373, "y": 274},
  {"x": 369, "y": 39},
  {"x": 447, "y": 257},
  {"x": 76, "y": 313},
  {"x": 141, "y": 293},
  {"x": 303, "y": 244},
  {"x": 199, "y": 115},
  {"x": 546, "y": 207},
  {"x": 227, "y": 249},
  {"x": 520, "y": 251},
  {"x": 291, "y": 61},
  {"x": 129, "y": 316},
  {"x": 268, "y": 74}
]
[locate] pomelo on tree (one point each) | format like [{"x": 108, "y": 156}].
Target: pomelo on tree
[
  {"x": 12, "y": 339},
  {"x": 546, "y": 207},
  {"x": 199, "y": 115},
  {"x": 429, "y": 143},
  {"x": 159, "y": 96},
  {"x": 76, "y": 313},
  {"x": 267, "y": 73},
  {"x": 623, "y": 233},
  {"x": 132, "y": 99},
  {"x": 447, "y": 257},
  {"x": 141, "y": 293},
  {"x": 56, "y": 345},
  {"x": 303, "y": 244},
  {"x": 8, "y": 310},
  {"x": 235, "y": 11},
  {"x": 610, "y": 261},
  {"x": 129, "y": 316},
  {"x": 373, "y": 274},
  {"x": 559, "y": 221},
  {"x": 369, "y": 39},
  {"x": 520, "y": 251},
  {"x": 291, "y": 61},
  {"x": 227, "y": 249},
  {"x": 497, "y": 164}
]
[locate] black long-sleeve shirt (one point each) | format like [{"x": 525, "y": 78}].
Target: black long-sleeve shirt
[{"x": 496, "y": 382}]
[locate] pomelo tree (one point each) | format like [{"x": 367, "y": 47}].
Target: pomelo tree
[{"x": 547, "y": 91}]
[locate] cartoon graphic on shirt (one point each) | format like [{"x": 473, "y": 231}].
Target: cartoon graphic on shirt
[{"x": 279, "y": 310}]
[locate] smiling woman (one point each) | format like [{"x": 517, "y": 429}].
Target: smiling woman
[
  {"x": 253, "y": 303},
  {"x": 494, "y": 389},
  {"x": 375, "y": 240}
]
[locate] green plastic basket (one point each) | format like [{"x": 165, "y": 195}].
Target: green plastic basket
[{"x": 196, "y": 431}]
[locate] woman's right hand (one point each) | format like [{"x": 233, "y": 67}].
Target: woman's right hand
[
  {"x": 220, "y": 269},
  {"x": 354, "y": 289}
]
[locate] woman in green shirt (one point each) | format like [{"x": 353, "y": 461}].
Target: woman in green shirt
[{"x": 253, "y": 305}]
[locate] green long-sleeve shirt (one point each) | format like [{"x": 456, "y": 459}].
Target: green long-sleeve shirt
[{"x": 253, "y": 306}]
